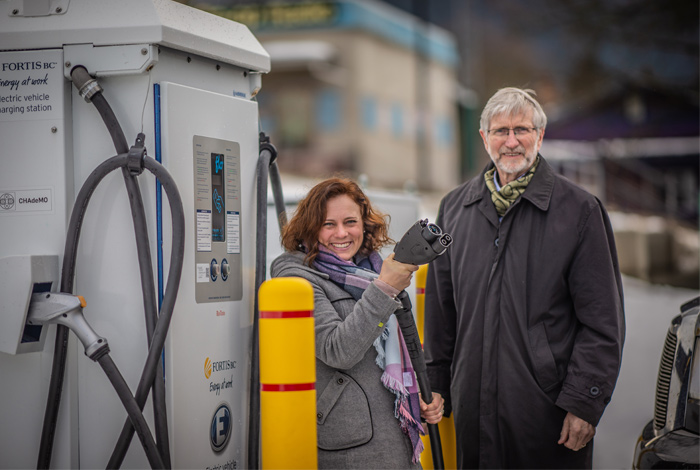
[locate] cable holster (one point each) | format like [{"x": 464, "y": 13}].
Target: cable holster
[
  {"x": 137, "y": 153},
  {"x": 266, "y": 145}
]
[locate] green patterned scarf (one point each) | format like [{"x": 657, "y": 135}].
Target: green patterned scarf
[{"x": 510, "y": 192}]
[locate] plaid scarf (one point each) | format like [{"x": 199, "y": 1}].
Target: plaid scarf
[
  {"x": 392, "y": 354},
  {"x": 504, "y": 197}
]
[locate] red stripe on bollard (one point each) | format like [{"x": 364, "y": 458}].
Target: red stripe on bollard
[
  {"x": 296, "y": 314},
  {"x": 287, "y": 387}
]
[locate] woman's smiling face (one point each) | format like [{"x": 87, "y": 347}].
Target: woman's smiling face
[{"x": 342, "y": 231}]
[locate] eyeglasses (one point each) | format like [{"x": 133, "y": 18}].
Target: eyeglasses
[{"x": 505, "y": 131}]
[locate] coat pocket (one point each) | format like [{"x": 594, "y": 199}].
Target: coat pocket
[
  {"x": 343, "y": 418},
  {"x": 542, "y": 358}
]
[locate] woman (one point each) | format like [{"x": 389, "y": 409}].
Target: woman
[{"x": 368, "y": 409}]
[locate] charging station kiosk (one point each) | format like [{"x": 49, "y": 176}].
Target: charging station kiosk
[{"x": 187, "y": 80}]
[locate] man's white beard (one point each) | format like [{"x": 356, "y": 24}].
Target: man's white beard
[{"x": 516, "y": 167}]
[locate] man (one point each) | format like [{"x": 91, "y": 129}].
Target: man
[{"x": 524, "y": 321}]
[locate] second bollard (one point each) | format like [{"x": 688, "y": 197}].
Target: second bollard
[
  {"x": 447, "y": 425},
  {"x": 287, "y": 374}
]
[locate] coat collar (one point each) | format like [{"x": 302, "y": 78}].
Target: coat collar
[
  {"x": 539, "y": 191},
  {"x": 295, "y": 258}
]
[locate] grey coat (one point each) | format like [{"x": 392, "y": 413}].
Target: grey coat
[
  {"x": 524, "y": 321},
  {"x": 355, "y": 412}
]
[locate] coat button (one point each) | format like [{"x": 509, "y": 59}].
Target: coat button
[
  {"x": 595, "y": 391},
  {"x": 496, "y": 242},
  {"x": 319, "y": 415},
  {"x": 340, "y": 381}
]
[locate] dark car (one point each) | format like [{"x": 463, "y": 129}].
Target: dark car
[{"x": 671, "y": 439}]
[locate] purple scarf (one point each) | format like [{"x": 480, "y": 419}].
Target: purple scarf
[{"x": 392, "y": 354}]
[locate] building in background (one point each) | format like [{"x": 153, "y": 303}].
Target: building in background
[
  {"x": 637, "y": 147},
  {"x": 374, "y": 87},
  {"x": 358, "y": 87}
]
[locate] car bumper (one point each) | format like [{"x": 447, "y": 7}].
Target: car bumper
[{"x": 676, "y": 449}]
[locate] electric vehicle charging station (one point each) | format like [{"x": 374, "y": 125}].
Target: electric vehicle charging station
[{"x": 185, "y": 79}]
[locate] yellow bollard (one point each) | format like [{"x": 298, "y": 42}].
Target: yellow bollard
[
  {"x": 287, "y": 374},
  {"x": 421, "y": 279},
  {"x": 446, "y": 425}
]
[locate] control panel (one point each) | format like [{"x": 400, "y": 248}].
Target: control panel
[{"x": 217, "y": 205}]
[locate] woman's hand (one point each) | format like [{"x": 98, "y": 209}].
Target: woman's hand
[
  {"x": 397, "y": 275},
  {"x": 433, "y": 412}
]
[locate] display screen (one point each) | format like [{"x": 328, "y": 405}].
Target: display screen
[{"x": 218, "y": 208}]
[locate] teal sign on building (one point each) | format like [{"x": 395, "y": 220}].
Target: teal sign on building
[{"x": 347, "y": 14}]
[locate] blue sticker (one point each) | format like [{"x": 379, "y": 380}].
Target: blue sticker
[{"x": 220, "y": 430}]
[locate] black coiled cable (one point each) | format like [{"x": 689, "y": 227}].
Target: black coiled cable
[{"x": 156, "y": 328}]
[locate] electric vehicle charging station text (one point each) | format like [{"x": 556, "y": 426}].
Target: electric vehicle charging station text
[{"x": 185, "y": 79}]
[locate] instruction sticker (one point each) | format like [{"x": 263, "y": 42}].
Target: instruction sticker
[
  {"x": 233, "y": 227},
  {"x": 203, "y": 230}
]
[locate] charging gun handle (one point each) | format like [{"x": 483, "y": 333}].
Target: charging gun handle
[{"x": 404, "y": 316}]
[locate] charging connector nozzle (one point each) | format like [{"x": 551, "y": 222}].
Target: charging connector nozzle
[{"x": 66, "y": 309}]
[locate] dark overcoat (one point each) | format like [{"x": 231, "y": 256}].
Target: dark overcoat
[{"x": 524, "y": 321}]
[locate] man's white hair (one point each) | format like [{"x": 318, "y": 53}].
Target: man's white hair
[{"x": 510, "y": 101}]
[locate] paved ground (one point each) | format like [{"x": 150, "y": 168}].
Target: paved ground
[{"x": 649, "y": 309}]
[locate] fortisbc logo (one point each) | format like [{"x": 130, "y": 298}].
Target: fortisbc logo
[
  {"x": 217, "y": 366},
  {"x": 207, "y": 368}
]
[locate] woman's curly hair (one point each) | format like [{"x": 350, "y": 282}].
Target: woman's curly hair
[{"x": 301, "y": 233}]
